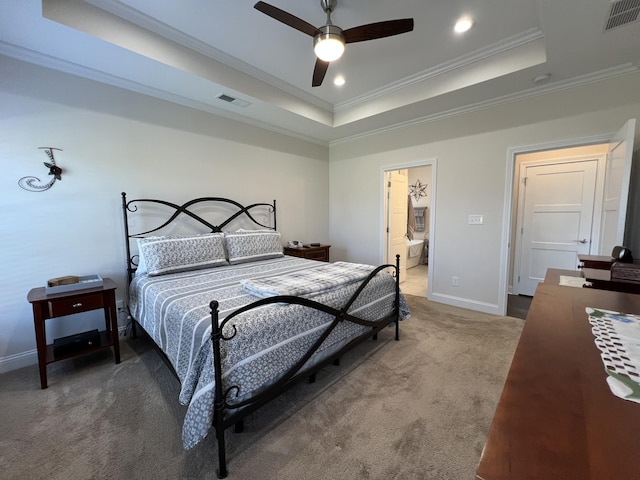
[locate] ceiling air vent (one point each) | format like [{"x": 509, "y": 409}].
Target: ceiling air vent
[
  {"x": 235, "y": 101},
  {"x": 622, "y": 12}
]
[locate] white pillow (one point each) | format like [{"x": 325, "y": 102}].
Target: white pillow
[
  {"x": 161, "y": 255},
  {"x": 250, "y": 245}
]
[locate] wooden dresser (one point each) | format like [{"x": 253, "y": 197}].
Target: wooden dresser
[{"x": 557, "y": 418}]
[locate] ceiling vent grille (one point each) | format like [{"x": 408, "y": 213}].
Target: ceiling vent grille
[
  {"x": 622, "y": 12},
  {"x": 235, "y": 101}
]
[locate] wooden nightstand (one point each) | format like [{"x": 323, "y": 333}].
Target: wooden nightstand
[
  {"x": 67, "y": 303},
  {"x": 320, "y": 253}
]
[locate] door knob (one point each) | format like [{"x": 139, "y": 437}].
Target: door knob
[{"x": 584, "y": 240}]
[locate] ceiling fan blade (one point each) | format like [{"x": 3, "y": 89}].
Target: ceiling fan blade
[
  {"x": 287, "y": 18},
  {"x": 319, "y": 72},
  {"x": 372, "y": 31}
]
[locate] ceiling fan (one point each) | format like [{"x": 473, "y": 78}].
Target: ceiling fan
[{"x": 329, "y": 40}]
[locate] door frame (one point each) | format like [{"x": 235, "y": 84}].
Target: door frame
[
  {"x": 433, "y": 162},
  {"x": 508, "y": 203},
  {"x": 596, "y": 212}
]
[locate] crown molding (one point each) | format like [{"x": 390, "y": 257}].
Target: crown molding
[
  {"x": 595, "y": 77},
  {"x": 141, "y": 20},
  {"x": 504, "y": 45},
  {"x": 71, "y": 68}
]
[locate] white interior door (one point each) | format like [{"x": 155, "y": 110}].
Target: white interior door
[
  {"x": 398, "y": 192},
  {"x": 556, "y": 224},
  {"x": 616, "y": 188}
]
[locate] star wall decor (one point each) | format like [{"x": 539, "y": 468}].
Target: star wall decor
[{"x": 418, "y": 190}]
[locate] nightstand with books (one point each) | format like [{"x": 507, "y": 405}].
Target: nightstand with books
[{"x": 48, "y": 302}]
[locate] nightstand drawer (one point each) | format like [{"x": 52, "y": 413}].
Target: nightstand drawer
[
  {"x": 68, "y": 306},
  {"x": 319, "y": 252},
  {"x": 321, "y": 255}
]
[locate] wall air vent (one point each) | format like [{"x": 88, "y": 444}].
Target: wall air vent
[
  {"x": 622, "y": 12},
  {"x": 235, "y": 101}
]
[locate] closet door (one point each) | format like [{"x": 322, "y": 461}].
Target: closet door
[{"x": 557, "y": 220}]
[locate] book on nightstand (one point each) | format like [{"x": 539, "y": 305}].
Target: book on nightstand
[{"x": 71, "y": 283}]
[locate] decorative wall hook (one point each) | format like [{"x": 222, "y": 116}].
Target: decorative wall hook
[{"x": 28, "y": 183}]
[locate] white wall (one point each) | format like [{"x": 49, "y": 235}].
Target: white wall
[
  {"x": 471, "y": 152},
  {"x": 116, "y": 141}
]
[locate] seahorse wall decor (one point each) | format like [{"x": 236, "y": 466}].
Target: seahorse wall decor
[{"x": 29, "y": 183}]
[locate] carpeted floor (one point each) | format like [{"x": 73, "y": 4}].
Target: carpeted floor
[{"x": 419, "y": 408}]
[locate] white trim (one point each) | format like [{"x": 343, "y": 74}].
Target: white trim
[
  {"x": 64, "y": 66},
  {"x": 505, "y": 245},
  {"x": 18, "y": 360},
  {"x": 512, "y": 152},
  {"x": 602, "y": 75},
  {"x": 460, "y": 302},
  {"x": 433, "y": 162},
  {"x": 504, "y": 45},
  {"x": 165, "y": 31},
  {"x": 81, "y": 71}
]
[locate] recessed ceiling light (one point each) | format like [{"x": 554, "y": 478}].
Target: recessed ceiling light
[
  {"x": 339, "y": 80},
  {"x": 463, "y": 24}
]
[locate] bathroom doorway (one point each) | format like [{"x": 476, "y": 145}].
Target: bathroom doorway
[{"x": 419, "y": 225}]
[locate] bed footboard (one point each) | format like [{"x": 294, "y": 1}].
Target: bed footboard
[{"x": 228, "y": 413}]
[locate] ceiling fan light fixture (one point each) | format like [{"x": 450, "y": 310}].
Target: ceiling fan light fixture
[
  {"x": 464, "y": 24},
  {"x": 329, "y": 44},
  {"x": 329, "y": 40}
]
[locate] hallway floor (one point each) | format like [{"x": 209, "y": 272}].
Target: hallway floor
[{"x": 416, "y": 281}]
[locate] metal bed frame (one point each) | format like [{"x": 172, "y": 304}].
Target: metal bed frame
[{"x": 227, "y": 412}]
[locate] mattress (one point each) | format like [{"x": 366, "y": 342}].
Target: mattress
[{"x": 174, "y": 310}]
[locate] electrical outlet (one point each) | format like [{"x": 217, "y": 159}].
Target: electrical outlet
[
  {"x": 476, "y": 219},
  {"x": 121, "y": 311},
  {"x": 455, "y": 281}
]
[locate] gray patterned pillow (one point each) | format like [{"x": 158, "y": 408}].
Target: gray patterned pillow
[
  {"x": 250, "y": 245},
  {"x": 161, "y": 255}
]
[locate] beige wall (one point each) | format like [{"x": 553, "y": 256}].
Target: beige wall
[
  {"x": 471, "y": 178},
  {"x": 115, "y": 141}
]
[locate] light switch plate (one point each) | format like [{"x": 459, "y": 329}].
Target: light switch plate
[{"x": 476, "y": 219}]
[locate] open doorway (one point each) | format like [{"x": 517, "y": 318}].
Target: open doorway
[
  {"x": 558, "y": 205},
  {"x": 612, "y": 154},
  {"x": 416, "y": 225}
]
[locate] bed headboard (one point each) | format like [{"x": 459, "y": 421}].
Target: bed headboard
[{"x": 207, "y": 214}]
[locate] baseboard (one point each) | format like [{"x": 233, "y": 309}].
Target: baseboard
[
  {"x": 483, "y": 307},
  {"x": 18, "y": 360}
]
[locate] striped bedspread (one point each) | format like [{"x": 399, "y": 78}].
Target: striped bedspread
[{"x": 174, "y": 310}]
